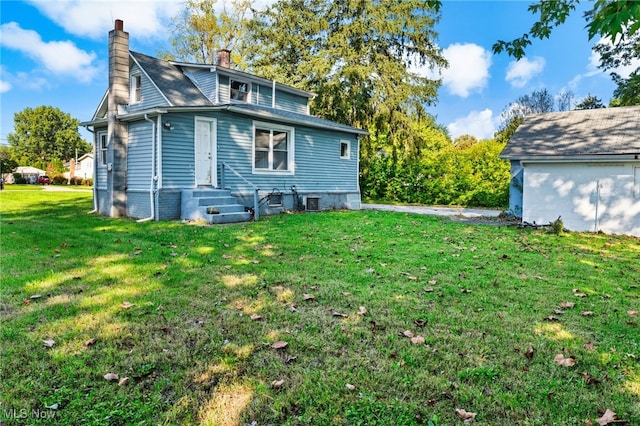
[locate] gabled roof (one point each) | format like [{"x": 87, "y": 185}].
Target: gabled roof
[
  {"x": 594, "y": 132},
  {"x": 178, "y": 89}
]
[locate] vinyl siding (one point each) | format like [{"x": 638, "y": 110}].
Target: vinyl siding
[
  {"x": 290, "y": 102},
  {"x": 178, "y": 167},
  {"x": 205, "y": 80},
  {"x": 263, "y": 95},
  {"x": 139, "y": 156},
  {"x": 151, "y": 97},
  {"x": 224, "y": 89}
]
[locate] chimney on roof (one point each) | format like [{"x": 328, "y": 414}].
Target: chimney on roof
[{"x": 224, "y": 58}]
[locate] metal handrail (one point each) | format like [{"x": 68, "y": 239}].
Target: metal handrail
[{"x": 256, "y": 207}]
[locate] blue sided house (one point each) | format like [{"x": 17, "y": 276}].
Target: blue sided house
[{"x": 192, "y": 141}]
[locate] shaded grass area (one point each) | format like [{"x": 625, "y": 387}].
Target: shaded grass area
[{"x": 484, "y": 298}]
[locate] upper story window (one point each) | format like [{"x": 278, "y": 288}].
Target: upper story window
[
  {"x": 345, "y": 150},
  {"x": 135, "y": 91},
  {"x": 102, "y": 146},
  {"x": 240, "y": 91},
  {"x": 273, "y": 148}
]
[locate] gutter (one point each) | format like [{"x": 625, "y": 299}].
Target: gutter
[
  {"x": 95, "y": 172},
  {"x": 602, "y": 158}
]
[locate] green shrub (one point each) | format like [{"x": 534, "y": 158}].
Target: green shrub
[
  {"x": 87, "y": 182},
  {"x": 18, "y": 179},
  {"x": 59, "y": 179}
]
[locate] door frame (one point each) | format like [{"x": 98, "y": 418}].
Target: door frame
[{"x": 213, "y": 147}]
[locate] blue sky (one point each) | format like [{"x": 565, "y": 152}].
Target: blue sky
[{"x": 54, "y": 52}]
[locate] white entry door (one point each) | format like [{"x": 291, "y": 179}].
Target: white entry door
[{"x": 205, "y": 152}]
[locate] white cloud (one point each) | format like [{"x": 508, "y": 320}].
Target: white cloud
[
  {"x": 93, "y": 19},
  {"x": 520, "y": 72},
  {"x": 468, "y": 69},
  {"x": 592, "y": 69},
  {"x": 5, "y": 86},
  {"x": 58, "y": 57},
  {"x": 481, "y": 124}
]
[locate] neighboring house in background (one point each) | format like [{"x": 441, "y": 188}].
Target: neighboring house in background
[
  {"x": 193, "y": 141},
  {"x": 83, "y": 168},
  {"x": 581, "y": 165},
  {"x": 30, "y": 174}
]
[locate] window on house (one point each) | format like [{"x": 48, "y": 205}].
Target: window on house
[
  {"x": 345, "y": 150},
  {"x": 136, "y": 88},
  {"x": 240, "y": 91},
  {"x": 102, "y": 145},
  {"x": 273, "y": 148}
]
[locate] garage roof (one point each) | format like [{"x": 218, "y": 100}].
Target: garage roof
[{"x": 604, "y": 131}]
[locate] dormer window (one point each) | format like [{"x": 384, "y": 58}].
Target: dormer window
[
  {"x": 135, "y": 91},
  {"x": 240, "y": 91}
]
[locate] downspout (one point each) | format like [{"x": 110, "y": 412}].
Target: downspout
[
  {"x": 153, "y": 169},
  {"x": 273, "y": 95},
  {"x": 158, "y": 160},
  {"x": 95, "y": 171},
  {"x": 596, "y": 224}
]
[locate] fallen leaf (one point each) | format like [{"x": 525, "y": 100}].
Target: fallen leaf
[
  {"x": 590, "y": 346},
  {"x": 346, "y": 293},
  {"x": 124, "y": 381},
  {"x": 277, "y": 384},
  {"x": 467, "y": 416},
  {"x": 350, "y": 386},
  {"x": 608, "y": 417},
  {"x": 362, "y": 310},
  {"x": 529, "y": 354},
  {"x": 112, "y": 377},
  {"x": 35, "y": 296},
  {"x": 565, "y": 362},
  {"x": 408, "y": 333},
  {"x": 26, "y": 302},
  {"x": 338, "y": 314},
  {"x": 280, "y": 344},
  {"x": 590, "y": 380},
  {"x": 586, "y": 313},
  {"x": 632, "y": 313},
  {"x": 49, "y": 343},
  {"x": 433, "y": 282},
  {"x": 420, "y": 323},
  {"x": 465, "y": 290},
  {"x": 126, "y": 305},
  {"x": 90, "y": 342},
  {"x": 578, "y": 293},
  {"x": 256, "y": 317},
  {"x": 418, "y": 340},
  {"x": 308, "y": 296},
  {"x": 226, "y": 256},
  {"x": 551, "y": 318},
  {"x": 160, "y": 308},
  {"x": 428, "y": 290},
  {"x": 567, "y": 305}
]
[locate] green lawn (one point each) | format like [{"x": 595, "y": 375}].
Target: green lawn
[{"x": 189, "y": 314}]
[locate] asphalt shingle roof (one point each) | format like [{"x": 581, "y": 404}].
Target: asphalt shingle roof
[
  {"x": 605, "y": 131},
  {"x": 176, "y": 86}
]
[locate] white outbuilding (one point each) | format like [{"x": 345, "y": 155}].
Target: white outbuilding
[{"x": 583, "y": 166}]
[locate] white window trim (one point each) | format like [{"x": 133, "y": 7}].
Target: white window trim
[
  {"x": 636, "y": 182},
  {"x": 290, "y": 151},
  {"x": 348, "y": 156},
  {"x": 249, "y": 88},
  {"x": 134, "y": 87},
  {"x": 102, "y": 152}
]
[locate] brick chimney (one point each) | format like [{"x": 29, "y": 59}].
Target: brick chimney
[
  {"x": 224, "y": 58},
  {"x": 117, "y": 132}
]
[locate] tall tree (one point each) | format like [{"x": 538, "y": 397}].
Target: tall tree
[
  {"x": 356, "y": 55},
  {"x": 564, "y": 100},
  {"x": 204, "y": 27},
  {"x": 45, "y": 134},
  {"x": 590, "y": 102},
  {"x": 538, "y": 102},
  {"x": 7, "y": 163}
]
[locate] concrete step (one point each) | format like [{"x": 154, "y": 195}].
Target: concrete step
[
  {"x": 211, "y": 192},
  {"x": 223, "y": 208},
  {"x": 228, "y": 217},
  {"x": 216, "y": 201}
]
